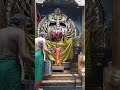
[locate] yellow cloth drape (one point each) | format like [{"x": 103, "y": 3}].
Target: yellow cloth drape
[{"x": 66, "y": 49}]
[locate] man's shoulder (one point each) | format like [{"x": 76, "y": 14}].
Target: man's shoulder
[
  {"x": 12, "y": 29},
  {"x": 3, "y": 29},
  {"x": 17, "y": 30},
  {"x": 40, "y": 39}
]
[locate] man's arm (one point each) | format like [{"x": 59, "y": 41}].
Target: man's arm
[
  {"x": 45, "y": 47},
  {"x": 22, "y": 48}
]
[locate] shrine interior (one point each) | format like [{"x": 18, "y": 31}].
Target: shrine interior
[{"x": 64, "y": 24}]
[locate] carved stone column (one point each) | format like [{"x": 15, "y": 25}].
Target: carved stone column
[
  {"x": 81, "y": 62},
  {"x": 115, "y": 77},
  {"x": 35, "y": 20},
  {"x": 83, "y": 32},
  {"x": 113, "y": 81},
  {"x": 116, "y": 34},
  {"x": 2, "y": 14}
]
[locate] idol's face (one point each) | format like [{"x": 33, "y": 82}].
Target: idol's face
[{"x": 57, "y": 25}]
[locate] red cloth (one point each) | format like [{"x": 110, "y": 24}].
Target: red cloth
[
  {"x": 38, "y": 16},
  {"x": 57, "y": 55},
  {"x": 38, "y": 83}
]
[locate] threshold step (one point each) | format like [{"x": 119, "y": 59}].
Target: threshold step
[
  {"x": 64, "y": 75},
  {"x": 61, "y": 81}
]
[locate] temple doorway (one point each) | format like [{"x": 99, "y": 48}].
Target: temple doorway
[{"x": 64, "y": 25}]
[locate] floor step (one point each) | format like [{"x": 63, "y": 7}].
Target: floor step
[
  {"x": 62, "y": 84},
  {"x": 61, "y": 77},
  {"x": 66, "y": 64},
  {"x": 62, "y": 88},
  {"x": 64, "y": 75},
  {"x": 61, "y": 80},
  {"x": 65, "y": 78},
  {"x": 58, "y": 68}
]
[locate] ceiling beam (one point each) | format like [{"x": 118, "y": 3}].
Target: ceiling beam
[{"x": 79, "y": 2}]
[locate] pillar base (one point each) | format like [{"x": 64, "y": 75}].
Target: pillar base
[{"x": 111, "y": 79}]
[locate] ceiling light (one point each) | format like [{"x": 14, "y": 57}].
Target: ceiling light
[
  {"x": 80, "y": 2},
  {"x": 39, "y": 1}
]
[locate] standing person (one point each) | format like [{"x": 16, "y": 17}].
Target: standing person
[
  {"x": 40, "y": 47},
  {"x": 12, "y": 46}
]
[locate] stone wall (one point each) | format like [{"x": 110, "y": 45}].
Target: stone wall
[{"x": 112, "y": 80}]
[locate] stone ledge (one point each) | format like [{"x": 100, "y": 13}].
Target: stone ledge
[
  {"x": 58, "y": 68},
  {"x": 61, "y": 81}
]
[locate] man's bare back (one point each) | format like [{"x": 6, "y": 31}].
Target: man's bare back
[
  {"x": 12, "y": 43},
  {"x": 13, "y": 48},
  {"x": 9, "y": 41}
]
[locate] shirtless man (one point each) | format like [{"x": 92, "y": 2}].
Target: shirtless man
[
  {"x": 12, "y": 46},
  {"x": 40, "y": 49}
]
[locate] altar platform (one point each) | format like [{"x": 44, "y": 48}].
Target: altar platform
[
  {"x": 58, "y": 68},
  {"x": 62, "y": 67}
]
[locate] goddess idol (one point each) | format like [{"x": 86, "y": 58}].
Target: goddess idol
[{"x": 60, "y": 31}]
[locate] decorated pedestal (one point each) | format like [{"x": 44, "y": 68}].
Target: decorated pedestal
[{"x": 57, "y": 68}]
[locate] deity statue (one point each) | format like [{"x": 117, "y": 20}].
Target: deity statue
[
  {"x": 57, "y": 26},
  {"x": 60, "y": 29}
]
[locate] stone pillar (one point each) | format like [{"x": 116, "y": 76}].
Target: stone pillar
[
  {"x": 116, "y": 34},
  {"x": 2, "y": 14},
  {"x": 81, "y": 63},
  {"x": 113, "y": 82},
  {"x": 35, "y": 20},
  {"x": 115, "y": 77},
  {"x": 83, "y": 32}
]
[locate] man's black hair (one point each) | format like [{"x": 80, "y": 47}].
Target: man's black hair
[{"x": 19, "y": 19}]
